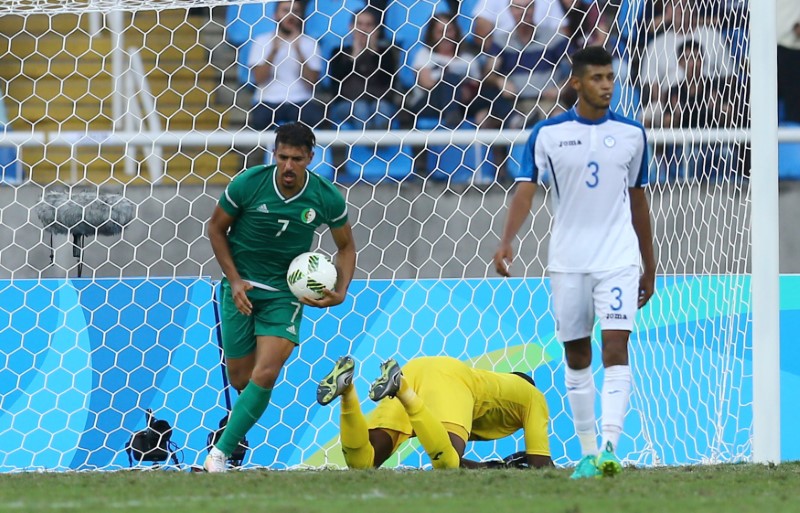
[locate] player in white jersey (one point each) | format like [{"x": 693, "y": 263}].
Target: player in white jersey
[{"x": 596, "y": 161}]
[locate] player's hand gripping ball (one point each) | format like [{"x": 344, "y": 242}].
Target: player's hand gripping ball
[{"x": 310, "y": 273}]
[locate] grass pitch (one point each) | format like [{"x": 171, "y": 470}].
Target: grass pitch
[{"x": 698, "y": 489}]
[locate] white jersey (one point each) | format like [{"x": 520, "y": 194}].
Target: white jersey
[{"x": 591, "y": 166}]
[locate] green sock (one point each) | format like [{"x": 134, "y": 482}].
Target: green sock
[{"x": 249, "y": 407}]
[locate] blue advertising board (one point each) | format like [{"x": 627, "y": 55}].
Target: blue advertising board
[{"x": 83, "y": 360}]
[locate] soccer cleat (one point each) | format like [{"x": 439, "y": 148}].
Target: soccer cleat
[
  {"x": 586, "y": 468},
  {"x": 607, "y": 463},
  {"x": 216, "y": 462},
  {"x": 336, "y": 381},
  {"x": 388, "y": 383}
]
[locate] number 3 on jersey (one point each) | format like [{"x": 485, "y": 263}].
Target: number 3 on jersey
[{"x": 594, "y": 168}]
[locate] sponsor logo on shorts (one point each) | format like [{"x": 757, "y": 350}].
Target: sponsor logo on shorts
[
  {"x": 617, "y": 316},
  {"x": 291, "y": 330}
]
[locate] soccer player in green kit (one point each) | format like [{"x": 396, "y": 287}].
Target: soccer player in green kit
[{"x": 267, "y": 216}]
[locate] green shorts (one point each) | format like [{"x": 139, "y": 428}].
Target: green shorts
[{"x": 275, "y": 314}]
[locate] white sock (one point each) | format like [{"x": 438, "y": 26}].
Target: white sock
[
  {"x": 615, "y": 397},
  {"x": 581, "y": 395}
]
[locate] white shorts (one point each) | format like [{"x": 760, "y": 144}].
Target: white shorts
[{"x": 577, "y": 297}]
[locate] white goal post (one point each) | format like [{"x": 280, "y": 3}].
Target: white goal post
[{"x": 766, "y": 240}]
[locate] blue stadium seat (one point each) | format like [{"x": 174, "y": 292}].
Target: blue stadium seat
[
  {"x": 457, "y": 164},
  {"x": 322, "y": 163},
  {"x": 406, "y": 19},
  {"x": 328, "y": 21},
  {"x": 789, "y": 158},
  {"x": 465, "y": 17},
  {"x": 243, "y": 22},
  {"x": 10, "y": 166},
  {"x": 453, "y": 163},
  {"x": 373, "y": 165},
  {"x": 626, "y": 100}
]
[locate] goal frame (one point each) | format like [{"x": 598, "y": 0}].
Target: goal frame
[{"x": 765, "y": 287}]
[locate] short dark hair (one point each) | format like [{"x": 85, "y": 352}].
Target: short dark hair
[
  {"x": 295, "y": 134},
  {"x": 376, "y": 16},
  {"x": 445, "y": 20},
  {"x": 590, "y": 56},
  {"x": 370, "y": 10},
  {"x": 526, "y": 377}
]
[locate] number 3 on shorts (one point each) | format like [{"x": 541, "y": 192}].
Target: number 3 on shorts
[{"x": 617, "y": 304}]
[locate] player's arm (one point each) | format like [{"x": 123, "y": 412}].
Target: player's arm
[
  {"x": 517, "y": 213},
  {"x": 345, "y": 267},
  {"x": 640, "y": 214},
  {"x": 516, "y": 460},
  {"x": 262, "y": 60},
  {"x": 539, "y": 461},
  {"x": 218, "y": 227},
  {"x": 535, "y": 428},
  {"x": 310, "y": 64}
]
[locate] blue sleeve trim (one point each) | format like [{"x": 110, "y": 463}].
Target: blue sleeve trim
[{"x": 641, "y": 178}]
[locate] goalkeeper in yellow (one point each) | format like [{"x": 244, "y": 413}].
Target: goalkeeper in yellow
[{"x": 444, "y": 403}]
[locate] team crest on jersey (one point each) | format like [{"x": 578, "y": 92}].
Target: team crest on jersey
[
  {"x": 609, "y": 141},
  {"x": 308, "y": 215}
]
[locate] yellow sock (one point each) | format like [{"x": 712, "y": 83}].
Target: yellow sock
[
  {"x": 430, "y": 431},
  {"x": 358, "y": 452}
]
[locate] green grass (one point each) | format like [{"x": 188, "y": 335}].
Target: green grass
[{"x": 723, "y": 488}]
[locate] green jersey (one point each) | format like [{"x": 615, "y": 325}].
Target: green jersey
[{"x": 270, "y": 230}]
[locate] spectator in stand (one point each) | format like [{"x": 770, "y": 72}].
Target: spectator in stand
[
  {"x": 580, "y": 22},
  {"x": 651, "y": 20},
  {"x": 789, "y": 58},
  {"x": 525, "y": 75},
  {"x": 683, "y": 21},
  {"x": 447, "y": 75},
  {"x": 285, "y": 66},
  {"x": 700, "y": 101},
  {"x": 495, "y": 20},
  {"x": 362, "y": 73}
]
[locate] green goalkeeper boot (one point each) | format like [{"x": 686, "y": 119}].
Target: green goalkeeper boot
[
  {"x": 607, "y": 463},
  {"x": 586, "y": 468}
]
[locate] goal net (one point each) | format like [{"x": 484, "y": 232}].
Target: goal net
[{"x": 125, "y": 120}]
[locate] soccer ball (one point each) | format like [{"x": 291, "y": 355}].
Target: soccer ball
[{"x": 309, "y": 273}]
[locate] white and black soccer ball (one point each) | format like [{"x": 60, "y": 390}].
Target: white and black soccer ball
[{"x": 309, "y": 273}]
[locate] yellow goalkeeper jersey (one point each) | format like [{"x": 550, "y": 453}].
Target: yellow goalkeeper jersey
[{"x": 487, "y": 405}]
